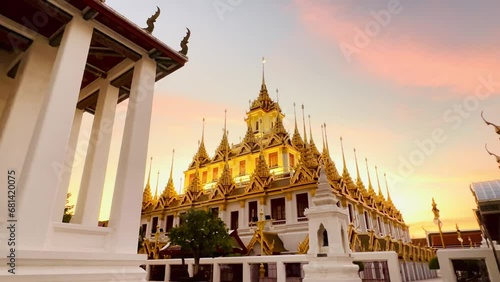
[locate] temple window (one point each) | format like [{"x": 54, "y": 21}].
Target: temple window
[
  {"x": 273, "y": 159},
  {"x": 367, "y": 220},
  {"x": 154, "y": 224},
  {"x": 291, "y": 159},
  {"x": 234, "y": 220},
  {"x": 256, "y": 126},
  {"x": 215, "y": 174},
  {"x": 351, "y": 213},
  {"x": 302, "y": 204},
  {"x": 252, "y": 212},
  {"x": 169, "y": 223},
  {"x": 204, "y": 177},
  {"x": 278, "y": 212},
  {"x": 242, "y": 168},
  {"x": 379, "y": 226},
  {"x": 191, "y": 177}
]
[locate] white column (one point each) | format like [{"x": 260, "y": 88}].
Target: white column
[
  {"x": 94, "y": 173},
  {"x": 58, "y": 210},
  {"x": 190, "y": 269},
  {"x": 41, "y": 173},
  {"x": 167, "y": 273},
  {"x": 290, "y": 216},
  {"x": 216, "y": 272},
  {"x": 126, "y": 206},
  {"x": 20, "y": 114},
  {"x": 280, "y": 272},
  {"x": 246, "y": 272}
]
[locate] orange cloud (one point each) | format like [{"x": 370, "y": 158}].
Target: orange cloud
[{"x": 388, "y": 54}]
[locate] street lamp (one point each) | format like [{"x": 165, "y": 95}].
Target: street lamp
[
  {"x": 459, "y": 237},
  {"x": 437, "y": 221},
  {"x": 260, "y": 231}
]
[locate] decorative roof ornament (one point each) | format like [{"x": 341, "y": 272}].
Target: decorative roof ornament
[
  {"x": 147, "y": 196},
  {"x": 497, "y": 128},
  {"x": 169, "y": 192},
  {"x": 371, "y": 191},
  {"x": 346, "y": 177},
  {"x": 201, "y": 157},
  {"x": 279, "y": 128},
  {"x": 225, "y": 183},
  {"x": 250, "y": 138},
  {"x": 304, "y": 124},
  {"x": 380, "y": 197},
  {"x": 184, "y": 43},
  {"x": 297, "y": 141},
  {"x": 155, "y": 197},
  {"x": 497, "y": 157},
  {"x": 331, "y": 169},
  {"x": 359, "y": 182},
  {"x": 263, "y": 102},
  {"x": 151, "y": 21},
  {"x": 314, "y": 149},
  {"x": 223, "y": 148}
]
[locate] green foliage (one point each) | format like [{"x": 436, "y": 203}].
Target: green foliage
[
  {"x": 434, "y": 263},
  {"x": 202, "y": 233},
  {"x": 68, "y": 210},
  {"x": 360, "y": 264}
]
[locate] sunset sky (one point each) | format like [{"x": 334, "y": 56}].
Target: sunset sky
[{"x": 402, "y": 82}]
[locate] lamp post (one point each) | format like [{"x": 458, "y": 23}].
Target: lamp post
[
  {"x": 437, "y": 221},
  {"x": 459, "y": 237},
  {"x": 261, "y": 223}
]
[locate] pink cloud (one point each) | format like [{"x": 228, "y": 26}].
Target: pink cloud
[{"x": 403, "y": 59}]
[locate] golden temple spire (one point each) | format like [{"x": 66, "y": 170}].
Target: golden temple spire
[
  {"x": 147, "y": 195},
  {"x": 323, "y": 138},
  {"x": 297, "y": 141},
  {"x": 155, "y": 198},
  {"x": 314, "y": 149},
  {"x": 326, "y": 138},
  {"x": 389, "y": 200},
  {"x": 304, "y": 123},
  {"x": 359, "y": 182},
  {"x": 201, "y": 155},
  {"x": 343, "y": 156},
  {"x": 169, "y": 190},
  {"x": 263, "y": 76},
  {"x": 277, "y": 96},
  {"x": 370, "y": 186},
  {"x": 261, "y": 167},
  {"x": 224, "y": 143},
  {"x": 380, "y": 195}
]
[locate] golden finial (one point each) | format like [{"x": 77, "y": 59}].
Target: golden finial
[
  {"x": 470, "y": 242},
  {"x": 149, "y": 174},
  {"x": 370, "y": 187},
  {"x": 357, "y": 168},
  {"x": 323, "y": 137},
  {"x": 304, "y": 123},
  {"x": 156, "y": 190},
  {"x": 263, "y": 79},
  {"x": 277, "y": 96},
  {"x": 326, "y": 138},
  {"x": 295, "y": 115},
  {"x": 387, "y": 189},
  {"x": 343, "y": 156},
  {"x": 378, "y": 183},
  {"x": 435, "y": 210},
  {"x": 203, "y": 131},
  {"x": 310, "y": 129},
  {"x": 172, "y": 165}
]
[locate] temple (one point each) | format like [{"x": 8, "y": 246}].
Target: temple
[{"x": 271, "y": 175}]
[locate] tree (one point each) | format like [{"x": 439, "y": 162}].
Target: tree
[
  {"x": 202, "y": 233},
  {"x": 68, "y": 210},
  {"x": 434, "y": 263}
]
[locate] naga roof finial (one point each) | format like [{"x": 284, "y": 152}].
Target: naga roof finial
[
  {"x": 184, "y": 42},
  {"x": 497, "y": 128},
  {"x": 492, "y": 154},
  {"x": 151, "y": 21}
]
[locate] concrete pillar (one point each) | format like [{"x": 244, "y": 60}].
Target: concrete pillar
[
  {"x": 167, "y": 273},
  {"x": 126, "y": 206},
  {"x": 94, "y": 173},
  {"x": 290, "y": 216},
  {"x": 41, "y": 176},
  {"x": 246, "y": 272},
  {"x": 280, "y": 272},
  {"x": 216, "y": 272},
  {"x": 71, "y": 151},
  {"x": 190, "y": 269}
]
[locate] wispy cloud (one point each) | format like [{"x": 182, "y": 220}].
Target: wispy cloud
[{"x": 394, "y": 53}]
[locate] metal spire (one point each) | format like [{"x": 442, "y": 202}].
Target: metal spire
[{"x": 304, "y": 123}]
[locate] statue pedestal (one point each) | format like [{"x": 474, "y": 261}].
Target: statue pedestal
[{"x": 334, "y": 268}]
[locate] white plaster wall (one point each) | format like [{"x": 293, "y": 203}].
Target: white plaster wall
[{"x": 446, "y": 255}]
